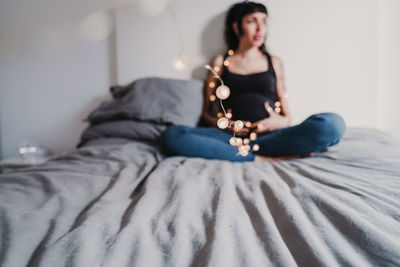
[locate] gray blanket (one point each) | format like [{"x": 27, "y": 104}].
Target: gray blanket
[{"x": 118, "y": 202}]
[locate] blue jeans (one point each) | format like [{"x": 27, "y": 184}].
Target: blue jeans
[{"x": 315, "y": 134}]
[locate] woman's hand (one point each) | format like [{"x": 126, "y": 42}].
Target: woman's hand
[
  {"x": 273, "y": 122},
  {"x": 242, "y": 132}
]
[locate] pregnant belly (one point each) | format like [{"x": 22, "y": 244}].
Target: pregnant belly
[{"x": 247, "y": 106}]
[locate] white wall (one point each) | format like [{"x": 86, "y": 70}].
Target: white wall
[
  {"x": 329, "y": 49},
  {"x": 56, "y": 64},
  {"x": 339, "y": 56},
  {"x": 389, "y": 66}
]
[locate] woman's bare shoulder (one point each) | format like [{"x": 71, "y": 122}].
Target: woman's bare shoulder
[
  {"x": 277, "y": 62},
  {"x": 276, "y": 59},
  {"x": 216, "y": 63},
  {"x": 218, "y": 60}
]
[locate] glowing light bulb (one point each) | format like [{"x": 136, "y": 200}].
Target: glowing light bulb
[
  {"x": 222, "y": 123},
  {"x": 253, "y": 136},
  {"x": 239, "y": 141},
  {"x": 246, "y": 141},
  {"x": 232, "y": 141},
  {"x": 230, "y": 52},
  {"x": 229, "y": 115},
  {"x": 220, "y": 114},
  {"x": 243, "y": 151},
  {"x": 239, "y": 125},
  {"x": 216, "y": 68},
  {"x": 96, "y": 27},
  {"x": 179, "y": 63},
  {"x": 256, "y": 147},
  {"x": 222, "y": 92},
  {"x": 212, "y": 98},
  {"x": 211, "y": 84},
  {"x": 247, "y": 124},
  {"x": 277, "y": 110},
  {"x": 226, "y": 63},
  {"x": 277, "y": 104}
]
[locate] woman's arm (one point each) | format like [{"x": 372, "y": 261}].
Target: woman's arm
[
  {"x": 217, "y": 66},
  {"x": 275, "y": 120},
  {"x": 280, "y": 87}
]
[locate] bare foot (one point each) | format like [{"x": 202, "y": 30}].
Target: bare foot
[{"x": 271, "y": 159}]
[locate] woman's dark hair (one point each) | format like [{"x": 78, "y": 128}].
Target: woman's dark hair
[{"x": 235, "y": 14}]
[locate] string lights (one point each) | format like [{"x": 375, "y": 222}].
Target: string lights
[{"x": 224, "y": 121}]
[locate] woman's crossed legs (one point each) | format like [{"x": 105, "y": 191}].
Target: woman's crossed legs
[{"x": 314, "y": 134}]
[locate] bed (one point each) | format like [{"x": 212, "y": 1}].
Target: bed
[{"x": 117, "y": 201}]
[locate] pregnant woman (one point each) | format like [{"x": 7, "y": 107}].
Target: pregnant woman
[{"x": 257, "y": 97}]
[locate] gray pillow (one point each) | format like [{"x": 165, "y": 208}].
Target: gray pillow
[
  {"x": 154, "y": 99},
  {"x": 129, "y": 129}
]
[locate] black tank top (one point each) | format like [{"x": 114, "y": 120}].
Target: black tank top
[{"x": 250, "y": 92}]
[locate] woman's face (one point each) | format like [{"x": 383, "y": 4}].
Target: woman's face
[{"x": 254, "y": 27}]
